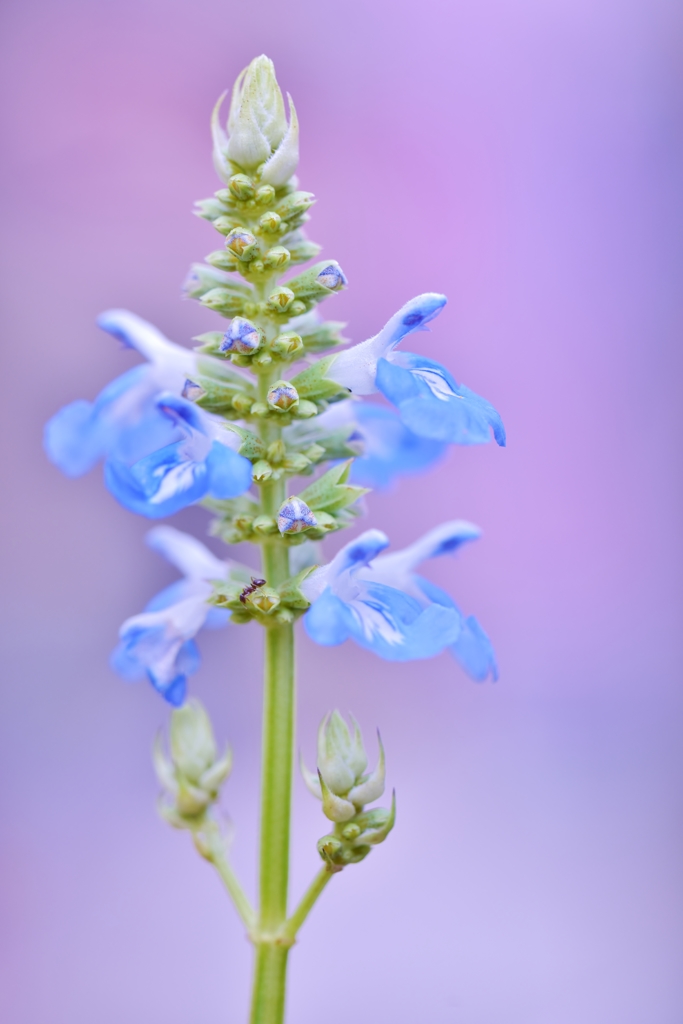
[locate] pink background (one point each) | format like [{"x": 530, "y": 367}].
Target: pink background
[{"x": 524, "y": 158}]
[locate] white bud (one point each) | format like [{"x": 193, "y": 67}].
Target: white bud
[{"x": 257, "y": 129}]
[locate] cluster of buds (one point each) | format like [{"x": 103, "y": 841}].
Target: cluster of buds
[
  {"x": 344, "y": 789},
  {"x": 271, "y": 606},
  {"x": 193, "y": 775}
]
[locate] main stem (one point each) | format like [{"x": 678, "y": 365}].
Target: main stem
[{"x": 272, "y": 947}]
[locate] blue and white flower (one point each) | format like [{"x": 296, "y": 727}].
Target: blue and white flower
[
  {"x": 203, "y": 463},
  {"x": 388, "y": 450},
  {"x": 380, "y": 602},
  {"x": 348, "y": 602},
  {"x": 471, "y": 647},
  {"x": 162, "y": 452},
  {"x": 159, "y": 643},
  {"x": 124, "y": 420},
  {"x": 431, "y": 403}
]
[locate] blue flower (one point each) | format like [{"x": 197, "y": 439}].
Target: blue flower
[
  {"x": 387, "y": 449},
  {"x": 125, "y": 421},
  {"x": 431, "y": 403},
  {"x": 471, "y": 646},
  {"x": 381, "y": 603},
  {"x": 159, "y": 643},
  {"x": 202, "y": 463},
  {"x": 349, "y": 601}
]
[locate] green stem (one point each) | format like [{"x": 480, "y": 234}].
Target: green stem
[
  {"x": 244, "y": 908},
  {"x": 268, "y": 999},
  {"x": 306, "y": 905}
]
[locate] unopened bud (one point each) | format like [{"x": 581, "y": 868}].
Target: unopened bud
[
  {"x": 287, "y": 346},
  {"x": 265, "y": 600},
  {"x": 276, "y": 258},
  {"x": 222, "y": 260},
  {"x": 242, "y": 337},
  {"x": 332, "y": 277},
  {"x": 280, "y": 300},
  {"x": 241, "y": 187},
  {"x": 192, "y": 392},
  {"x": 264, "y": 525},
  {"x": 261, "y": 471},
  {"x": 270, "y": 222},
  {"x": 294, "y": 516},
  {"x": 193, "y": 746},
  {"x": 282, "y": 396},
  {"x": 242, "y": 244},
  {"x": 225, "y": 224},
  {"x": 294, "y": 205},
  {"x": 265, "y": 195},
  {"x": 276, "y": 452},
  {"x": 241, "y": 403}
]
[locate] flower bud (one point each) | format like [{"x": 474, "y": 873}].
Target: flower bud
[
  {"x": 294, "y": 516},
  {"x": 270, "y": 222},
  {"x": 342, "y": 761},
  {"x": 282, "y": 396},
  {"x": 276, "y": 258},
  {"x": 226, "y": 224},
  {"x": 261, "y": 471},
  {"x": 192, "y": 392},
  {"x": 222, "y": 260},
  {"x": 242, "y": 403},
  {"x": 264, "y": 525},
  {"x": 287, "y": 346},
  {"x": 294, "y": 205},
  {"x": 265, "y": 195},
  {"x": 318, "y": 281},
  {"x": 280, "y": 300},
  {"x": 240, "y": 187},
  {"x": 194, "y": 775},
  {"x": 242, "y": 337},
  {"x": 242, "y": 244},
  {"x": 258, "y": 133},
  {"x": 264, "y": 600}
]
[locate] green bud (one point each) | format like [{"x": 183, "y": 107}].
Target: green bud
[
  {"x": 287, "y": 346},
  {"x": 282, "y": 396},
  {"x": 261, "y": 471},
  {"x": 223, "y": 260},
  {"x": 270, "y": 222},
  {"x": 276, "y": 258},
  {"x": 193, "y": 746},
  {"x": 241, "y": 188},
  {"x": 276, "y": 452},
  {"x": 280, "y": 300},
  {"x": 264, "y": 525},
  {"x": 318, "y": 281},
  {"x": 225, "y": 224},
  {"x": 306, "y": 409},
  {"x": 265, "y": 195},
  {"x": 223, "y": 300},
  {"x": 259, "y": 409},
  {"x": 296, "y": 463},
  {"x": 263, "y": 359},
  {"x": 242, "y": 403},
  {"x": 265, "y": 600},
  {"x": 209, "y": 209}
]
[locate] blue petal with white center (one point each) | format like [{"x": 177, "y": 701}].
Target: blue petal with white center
[
  {"x": 182, "y": 473},
  {"x": 433, "y": 405},
  {"x": 348, "y": 603},
  {"x": 430, "y": 402},
  {"x": 471, "y": 646},
  {"x": 159, "y": 643}
]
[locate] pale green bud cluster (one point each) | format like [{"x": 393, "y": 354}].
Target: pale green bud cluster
[
  {"x": 344, "y": 788},
  {"x": 193, "y": 775}
]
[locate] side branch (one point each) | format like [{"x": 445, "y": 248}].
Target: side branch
[{"x": 294, "y": 923}]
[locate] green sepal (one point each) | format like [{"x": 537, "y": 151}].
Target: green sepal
[
  {"x": 326, "y": 335},
  {"x": 330, "y": 492},
  {"x": 210, "y": 344},
  {"x": 312, "y": 383},
  {"x": 252, "y": 447},
  {"x": 294, "y": 205},
  {"x": 290, "y": 591},
  {"x": 209, "y": 209},
  {"x": 306, "y": 285},
  {"x": 226, "y": 301},
  {"x": 202, "y": 279},
  {"x": 221, "y": 385}
]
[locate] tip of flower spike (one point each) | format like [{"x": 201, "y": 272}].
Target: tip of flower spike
[{"x": 295, "y": 516}]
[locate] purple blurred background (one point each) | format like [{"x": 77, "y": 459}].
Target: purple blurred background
[{"x": 525, "y": 159}]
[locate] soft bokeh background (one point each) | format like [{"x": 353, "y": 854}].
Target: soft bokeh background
[{"x": 525, "y": 158}]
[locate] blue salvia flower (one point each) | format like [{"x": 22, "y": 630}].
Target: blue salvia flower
[
  {"x": 124, "y": 420},
  {"x": 202, "y": 463},
  {"x": 388, "y": 449},
  {"x": 471, "y": 647},
  {"x": 431, "y": 403},
  {"x": 159, "y": 643},
  {"x": 348, "y": 602}
]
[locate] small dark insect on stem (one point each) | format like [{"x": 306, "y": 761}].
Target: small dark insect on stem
[{"x": 250, "y": 588}]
